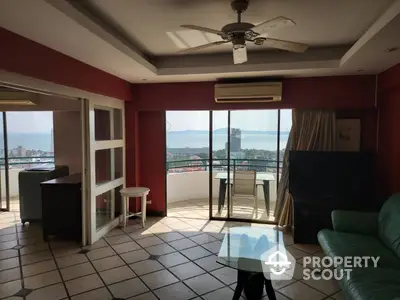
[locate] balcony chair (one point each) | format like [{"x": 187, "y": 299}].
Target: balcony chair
[{"x": 244, "y": 187}]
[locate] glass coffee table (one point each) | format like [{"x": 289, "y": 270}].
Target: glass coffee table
[{"x": 242, "y": 249}]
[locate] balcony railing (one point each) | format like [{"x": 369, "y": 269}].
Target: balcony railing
[
  {"x": 190, "y": 165},
  {"x": 189, "y": 179},
  {"x": 16, "y": 165},
  {"x": 26, "y": 161}
]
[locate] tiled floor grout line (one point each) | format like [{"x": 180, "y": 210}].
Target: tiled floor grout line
[
  {"x": 137, "y": 276},
  {"x": 98, "y": 274},
  {"x": 179, "y": 251},
  {"x": 221, "y": 229},
  {"x": 157, "y": 233},
  {"x": 19, "y": 259},
  {"x": 176, "y": 251},
  {"x": 59, "y": 271},
  {"x": 192, "y": 261}
]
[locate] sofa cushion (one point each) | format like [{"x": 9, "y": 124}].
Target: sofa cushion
[
  {"x": 372, "y": 284},
  {"x": 389, "y": 223},
  {"x": 340, "y": 244}
]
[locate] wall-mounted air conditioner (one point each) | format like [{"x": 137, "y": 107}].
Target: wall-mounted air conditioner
[{"x": 248, "y": 92}]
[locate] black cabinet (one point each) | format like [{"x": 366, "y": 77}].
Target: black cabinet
[
  {"x": 321, "y": 182},
  {"x": 62, "y": 207}
]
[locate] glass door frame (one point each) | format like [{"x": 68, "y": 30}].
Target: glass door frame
[
  {"x": 227, "y": 202},
  {"x": 92, "y": 145},
  {"x": 6, "y": 171}
]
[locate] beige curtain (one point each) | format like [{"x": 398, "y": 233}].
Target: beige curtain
[{"x": 312, "y": 130}]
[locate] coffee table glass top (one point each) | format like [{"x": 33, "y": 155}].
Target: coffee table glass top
[{"x": 243, "y": 247}]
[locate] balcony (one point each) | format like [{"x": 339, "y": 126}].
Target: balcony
[
  {"x": 188, "y": 184},
  {"x": 16, "y": 165}
]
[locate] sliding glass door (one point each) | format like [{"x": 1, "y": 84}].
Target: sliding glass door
[
  {"x": 219, "y": 164},
  {"x": 4, "y": 199},
  {"x": 247, "y": 152},
  {"x": 225, "y": 164},
  {"x": 253, "y": 163}
]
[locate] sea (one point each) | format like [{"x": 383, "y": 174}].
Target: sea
[
  {"x": 30, "y": 141},
  {"x": 175, "y": 139},
  {"x": 263, "y": 141}
]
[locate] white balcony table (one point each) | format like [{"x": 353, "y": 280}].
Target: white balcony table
[
  {"x": 132, "y": 192},
  {"x": 262, "y": 178}
]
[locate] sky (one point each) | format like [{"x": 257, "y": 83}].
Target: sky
[
  {"x": 30, "y": 122},
  {"x": 243, "y": 119}
]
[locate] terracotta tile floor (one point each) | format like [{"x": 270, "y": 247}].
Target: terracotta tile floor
[{"x": 172, "y": 258}]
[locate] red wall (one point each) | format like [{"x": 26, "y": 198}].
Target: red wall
[
  {"x": 319, "y": 92},
  {"x": 145, "y": 117},
  {"x": 23, "y": 56},
  {"x": 152, "y": 154},
  {"x": 350, "y": 96},
  {"x": 389, "y": 130}
]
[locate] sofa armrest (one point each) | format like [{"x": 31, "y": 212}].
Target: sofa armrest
[{"x": 355, "y": 222}]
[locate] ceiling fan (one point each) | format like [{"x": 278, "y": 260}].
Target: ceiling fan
[{"x": 240, "y": 32}]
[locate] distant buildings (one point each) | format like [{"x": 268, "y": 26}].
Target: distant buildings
[
  {"x": 236, "y": 140},
  {"x": 21, "y": 157},
  {"x": 235, "y": 144},
  {"x": 18, "y": 152},
  {"x": 187, "y": 151}
]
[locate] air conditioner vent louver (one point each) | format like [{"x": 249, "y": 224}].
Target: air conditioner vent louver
[{"x": 248, "y": 92}]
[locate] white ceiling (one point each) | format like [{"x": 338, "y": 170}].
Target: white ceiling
[
  {"x": 148, "y": 22},
  {"x": 128, "y": 38}
]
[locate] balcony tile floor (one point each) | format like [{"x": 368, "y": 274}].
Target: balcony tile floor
[
  {"x": 242, "y": 209},
  {"x": 172, "y": 258}
]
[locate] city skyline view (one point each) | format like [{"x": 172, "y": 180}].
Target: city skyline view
[{"x": 28, "y": 132}]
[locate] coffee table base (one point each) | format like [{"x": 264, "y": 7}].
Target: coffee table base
[{"x": 253, "y": 284}]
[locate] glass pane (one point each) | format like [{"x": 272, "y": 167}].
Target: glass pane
[
  {"x": 3, "y": 203},
  {"x": 118, "y": 158},
  {"x": 103, "y": 166},
  {"x": 187, "y": 163},
  {"x": 253, "y": 163},
  {"x": 102, "y": 121},
  {"x": 220, "y": 163},
  {"x": 118, "y": 200},
  {"x": 30, "y": 145},
  {"x": 117, "y": 124},
  {"x": 285, "y": 127},
  {"x": 103, "y": 209}
]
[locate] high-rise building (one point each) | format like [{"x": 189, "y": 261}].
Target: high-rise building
[{"x": 236, "y": 141}]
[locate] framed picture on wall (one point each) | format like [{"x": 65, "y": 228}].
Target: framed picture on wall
[{"x": 348, "y": 134}]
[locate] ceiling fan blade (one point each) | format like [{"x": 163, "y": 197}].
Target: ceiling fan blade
[
  {"x": 277, "y": 23},
  {"x": 285, "y": 45},
  {"x": 201, "y": 47},
  {"x": 204, "y": 29}
]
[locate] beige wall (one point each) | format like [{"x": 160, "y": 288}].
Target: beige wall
[{"x": 68, "y": 140}]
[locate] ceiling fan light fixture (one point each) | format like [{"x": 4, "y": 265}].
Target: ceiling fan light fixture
[
  {"x": 239, "y": 53},
  {"x": 240, "y": 33}
]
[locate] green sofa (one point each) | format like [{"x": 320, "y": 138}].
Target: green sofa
[{"x": 367, "y": 234}]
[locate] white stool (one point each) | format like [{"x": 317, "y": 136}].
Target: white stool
[{"x": 126, "y": 193}]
